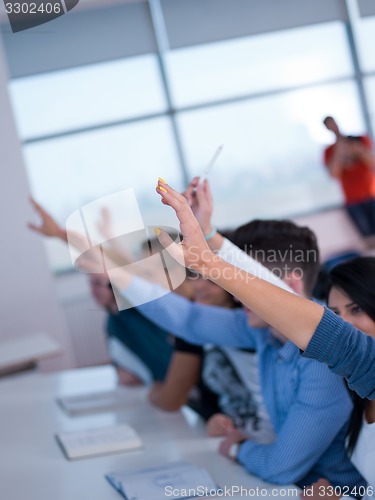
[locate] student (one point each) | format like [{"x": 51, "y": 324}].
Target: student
[
  {"x": 351, "y": 296},
  {"x": 186, "y": 369},
  {"x": 178, "y": 372},
  {"x": 172, "y": 367},
  {"x": 317, "y": 331},
  {"x": 299, "y": 394}
]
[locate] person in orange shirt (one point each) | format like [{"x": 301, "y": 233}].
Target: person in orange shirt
[{"x": 351, "y": 161}]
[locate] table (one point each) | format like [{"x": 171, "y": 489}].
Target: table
[{"x": 33, "y": 467}]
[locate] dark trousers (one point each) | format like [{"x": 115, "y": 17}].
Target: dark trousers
[{"x": 363, "y": 216}]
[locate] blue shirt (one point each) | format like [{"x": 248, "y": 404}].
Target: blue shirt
[{"x": 308, "y": 405}]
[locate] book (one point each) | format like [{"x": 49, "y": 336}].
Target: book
[
  {"x": 175, "y": 480},
  {"x": 102, "y": 441},
  {"x": 94, "y": 401}
]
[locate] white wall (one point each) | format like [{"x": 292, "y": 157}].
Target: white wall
[{"x": 28, "y": 298}]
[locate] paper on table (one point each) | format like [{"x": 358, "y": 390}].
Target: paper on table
[
  {"x": 99, "y": 441},
  {"x": 94, "y": 401},
  {"x": 156, "y": 482}
]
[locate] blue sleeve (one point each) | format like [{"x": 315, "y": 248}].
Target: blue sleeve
[
  {"x": 195, "y": 323},
  {"x": 321, "y": 408},
  {"x": 347, "y": 351}
]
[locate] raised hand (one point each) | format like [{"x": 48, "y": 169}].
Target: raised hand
[
  {"x": 48, "y": 227},
  {"x": 199, "y": 197},
  {"x": 193, "y": 251},
  {"x": 104, "y": 224}
]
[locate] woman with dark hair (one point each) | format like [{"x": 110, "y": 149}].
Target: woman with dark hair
[{"x": 351, "y": 295}]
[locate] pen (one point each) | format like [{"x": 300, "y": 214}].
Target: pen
[{"x": 206, "y": 171}]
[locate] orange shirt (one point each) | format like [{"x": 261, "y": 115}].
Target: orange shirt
[{"x": 358, "y": 181}]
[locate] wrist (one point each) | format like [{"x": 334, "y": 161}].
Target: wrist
[
  {"x": 234, "y": 449},
  {"x": 207, "y": 228},
  {"x": 62, "y": 234},
  {"x": 204, "y": 262},
  {"x": 209, "y": 235}
]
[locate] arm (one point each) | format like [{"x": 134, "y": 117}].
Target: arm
[
  {"x": 115, "y": 250},
  {"x": 91, "y": 256},
  {"x": 334, "y": 158},
  {"x": 48, "y": 226},
  {"x": 200, "y": 199},
  {"x": 183, "y": 374},
  {"x": 234, "y": 255},
  {"x": 363, "y": 150},
  {"x": 323, "y": 406},
  {"x": 347, "y": 351},
  {"x": 295, "y": 317},
  {"x": 196, "y": 323}
]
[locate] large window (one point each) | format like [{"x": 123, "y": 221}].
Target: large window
[
  {"x": 71, "y": 99},
  {"x": 258, "y": 64},
  {"x": 272, "y": 161},
  {"x": 123, "y": 109}
]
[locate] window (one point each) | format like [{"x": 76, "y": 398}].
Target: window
[
  {"x": 271, "y": 164},
  {"x": 366, "y": 42},
  {"x": 370, "y": 91},
  {"x": 116, "y": 113},
  {"x": 92, "y": 95},
  {"x": 257, "y": 64}
]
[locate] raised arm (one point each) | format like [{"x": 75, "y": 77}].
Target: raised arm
[
  {"x": 295, "y": 317},
  {"x": 334, "y": 159},
  {"x": 364, "y": 151},
  {"x": 200, "y": 199},
  {"x": 48, "y": 226}
]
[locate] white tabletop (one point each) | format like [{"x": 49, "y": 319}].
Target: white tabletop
[{"x": 33, "y": 467}]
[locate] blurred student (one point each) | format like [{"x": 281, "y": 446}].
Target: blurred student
[
  {"x": 299, "y": 394},
  {"x": 318, "y": 332},
  {"x": 351, "y": 295},
  {"x": 351, "y": 161},
  {"x": 142, "y": 352}
]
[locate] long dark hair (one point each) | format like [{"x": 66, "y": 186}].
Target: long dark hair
[{"x": 356, "y": 278}]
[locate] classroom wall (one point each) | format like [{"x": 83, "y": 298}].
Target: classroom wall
[{"x": 28, "y": 297}]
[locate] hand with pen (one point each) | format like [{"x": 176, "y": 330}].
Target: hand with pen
[
  {"x": 293, "y": 316},
  {"x": 198, "y": 195}
]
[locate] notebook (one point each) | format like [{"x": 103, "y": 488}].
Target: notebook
[
  {"x": 103, "y": 441},
  {"x": 176, "y": 480},
  {"x": 94, "y": 401}
]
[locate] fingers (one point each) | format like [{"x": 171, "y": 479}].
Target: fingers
[
  {"x": 203, "y": 193},
  {"x": 175, "y": 250},
  {"x": 189, "y": 194},
  {"x": 34, "y": 227},
  {"x": 38, "y": 208},
  {"x": 207, "y": 188},
  {"x": 176, "y": 201},
  {"x": 105, "y": 213}
]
